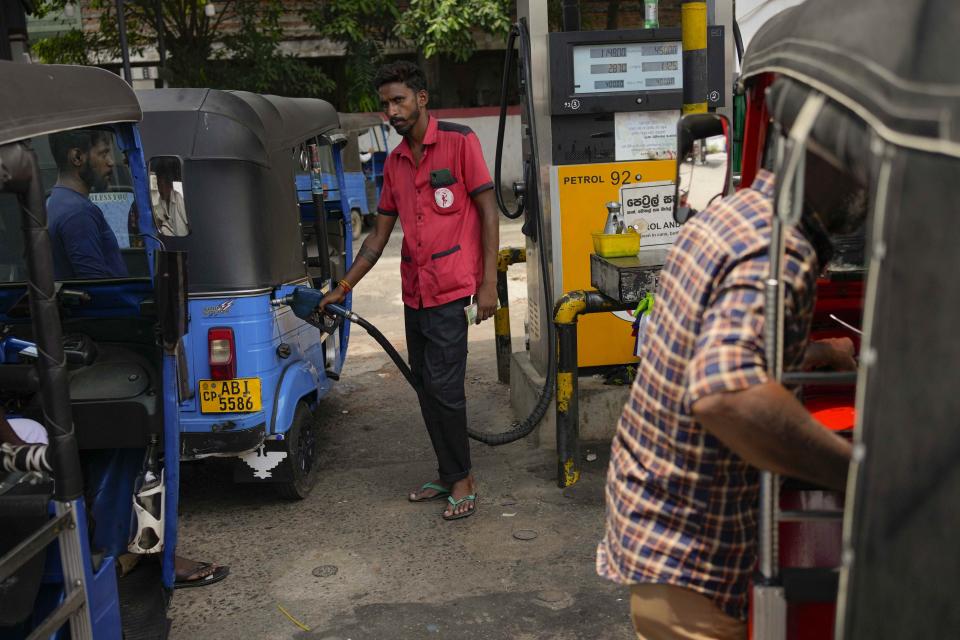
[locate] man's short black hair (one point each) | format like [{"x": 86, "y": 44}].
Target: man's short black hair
[
  {"x": 82, "y": 139},
  {"x": 403, "y": 71}
]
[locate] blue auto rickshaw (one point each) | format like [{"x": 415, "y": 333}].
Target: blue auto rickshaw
[
  {"x": 89, "y": 363},
  {"x": 352, "y": 182},
  {"x": 251, "y": 375}
]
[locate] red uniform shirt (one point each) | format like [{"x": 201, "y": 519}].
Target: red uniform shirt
[{"x": 442, "y": 255}]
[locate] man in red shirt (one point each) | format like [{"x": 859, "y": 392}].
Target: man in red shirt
[{"x": 436, "y": 182}]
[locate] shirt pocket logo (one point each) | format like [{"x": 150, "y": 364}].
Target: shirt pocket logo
[{"x": 443, "y": 197}]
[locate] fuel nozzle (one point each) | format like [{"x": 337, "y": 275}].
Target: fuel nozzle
[{"x": 304, "y": 302}]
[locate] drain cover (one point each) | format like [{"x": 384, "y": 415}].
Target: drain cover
[
  {"x": 325, "y": 571},
  {"x": 525, "y": 534}
]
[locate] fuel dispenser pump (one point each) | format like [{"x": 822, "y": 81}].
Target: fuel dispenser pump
[
  {"x": 602, "y": 130},
  {"x": 599, "y": 128}
]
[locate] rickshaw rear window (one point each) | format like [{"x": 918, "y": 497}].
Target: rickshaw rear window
[{"x": 91, "y": 210}]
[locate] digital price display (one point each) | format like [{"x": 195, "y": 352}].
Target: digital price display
[{"x": 648, "y": 66}]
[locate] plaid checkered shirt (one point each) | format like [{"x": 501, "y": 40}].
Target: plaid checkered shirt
[{"x": 682, "y": 507}]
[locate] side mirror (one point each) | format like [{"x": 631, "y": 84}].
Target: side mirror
[
  {"x": 704, "y": 139},
  {"x": 171, "y": 290}
]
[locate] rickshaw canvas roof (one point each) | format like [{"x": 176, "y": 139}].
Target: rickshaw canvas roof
[
  {"x": 208, "y": 123},
  {"x": 360, "y": 121},
  {"x": 893, "y": 64},
  {"x": 893, "y": 117},
  {"x": 42, "y": 98},
  {"x": 238, "y": 151}
]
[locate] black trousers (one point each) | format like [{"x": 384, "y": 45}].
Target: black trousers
[{"x": 437, "y": 348}]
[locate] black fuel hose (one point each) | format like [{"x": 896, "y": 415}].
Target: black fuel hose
[
  {"x": 381, "y": 339},
  {"x": 501, "y": 125},
  {"x": 523, "y": 428}
]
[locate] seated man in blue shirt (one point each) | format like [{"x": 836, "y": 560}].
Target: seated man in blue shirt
[{"x": 84, "y": 245}]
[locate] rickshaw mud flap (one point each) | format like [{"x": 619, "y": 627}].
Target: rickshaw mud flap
[{"x": 194, "y": 446}]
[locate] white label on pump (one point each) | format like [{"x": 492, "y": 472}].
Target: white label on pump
[
  {"x": 649, "y": 208},
  {"x": 646, "y": 135}
]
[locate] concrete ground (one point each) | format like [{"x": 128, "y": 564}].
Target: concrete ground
[{"x": 357, "y": 561}]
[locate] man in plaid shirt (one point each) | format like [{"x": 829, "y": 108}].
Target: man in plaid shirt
[{"x": 703, "y": 416}]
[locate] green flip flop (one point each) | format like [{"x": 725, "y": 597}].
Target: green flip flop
[
  {"x": 442, "y": 492},
  {"x": 455, "y": 503}
]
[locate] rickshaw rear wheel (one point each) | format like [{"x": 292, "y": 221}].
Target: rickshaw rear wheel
[
  {"x": 356, "y": 220},
  {"x": 302, "y": 452}
]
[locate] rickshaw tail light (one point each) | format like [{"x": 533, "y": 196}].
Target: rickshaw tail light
[{"x": 223, "y": 353}]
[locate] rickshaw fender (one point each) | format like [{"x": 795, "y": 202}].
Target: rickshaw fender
[{"x": 298, "y": 380}]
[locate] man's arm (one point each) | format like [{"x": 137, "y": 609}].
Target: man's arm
[
  {"x": 7, "y": 434},
  {"x": 835, "y": 354},
  {"x": 487, "y": 293},
  {"x": 367, "y": 256},
  {"x": 768, "y": 427}
]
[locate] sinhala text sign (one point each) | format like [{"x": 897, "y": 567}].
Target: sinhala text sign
[{"x": 649, "y": 208}]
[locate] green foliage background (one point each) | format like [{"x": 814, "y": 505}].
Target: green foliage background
[{"x": 251, "y": 58}]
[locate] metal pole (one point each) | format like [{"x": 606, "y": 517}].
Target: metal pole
[
  {"x": 21, "y": 164},
  {"x": 693, "y": 20},
  {"x": 124, "y": 52},
  {"x": 320, "y": 214},
  {"x": 5, "y": 51},
  {"x": 566, "y": 313},
  {"x": 571, "y": 15},
  {"x": 161, "y": 45},
  {"x": 568, "y": 406},
  {"x": 501, "y": 320}
]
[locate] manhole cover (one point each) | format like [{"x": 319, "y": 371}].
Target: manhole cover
[
  {"x": 525, "y": 534},
  {"x": 555, "y": 600},
  {"x": 551, "y": 596},
  {"x": 325, "y": 571}
]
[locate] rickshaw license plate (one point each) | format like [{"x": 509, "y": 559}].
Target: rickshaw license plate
[{"x": 241, "y": 395}]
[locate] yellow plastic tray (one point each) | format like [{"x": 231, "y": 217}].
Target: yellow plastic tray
[{"x": 616, "y": 245}]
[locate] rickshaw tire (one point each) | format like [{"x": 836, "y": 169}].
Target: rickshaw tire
[
  {"x": 303, "y": 481},
  {"x": 356, "y": 219}
]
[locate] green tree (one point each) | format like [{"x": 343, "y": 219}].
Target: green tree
[
  {"x": 447, "y": 27},
  {"x": 248, "y": 59},
  {"x": 365, "y": 28},
  {"x": 252, "y": 59},
  {"x": 188, "y": 35}
]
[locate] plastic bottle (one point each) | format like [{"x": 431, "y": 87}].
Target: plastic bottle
[{"x": 651, "y": 17}]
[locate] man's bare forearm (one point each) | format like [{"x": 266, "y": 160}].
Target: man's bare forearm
[
  {"x": 371, "y": 250},
  {"x": 768, "y": 427},
  {"x": 490, "y": 234}
]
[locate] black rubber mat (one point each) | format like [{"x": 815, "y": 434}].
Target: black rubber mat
[{"x": 143, "y": 603}]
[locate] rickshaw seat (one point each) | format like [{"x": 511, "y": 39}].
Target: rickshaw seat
[{"x": 116, "y": 400}]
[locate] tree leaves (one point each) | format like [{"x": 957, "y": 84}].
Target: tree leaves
[{"x": 447, "y": 27}]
